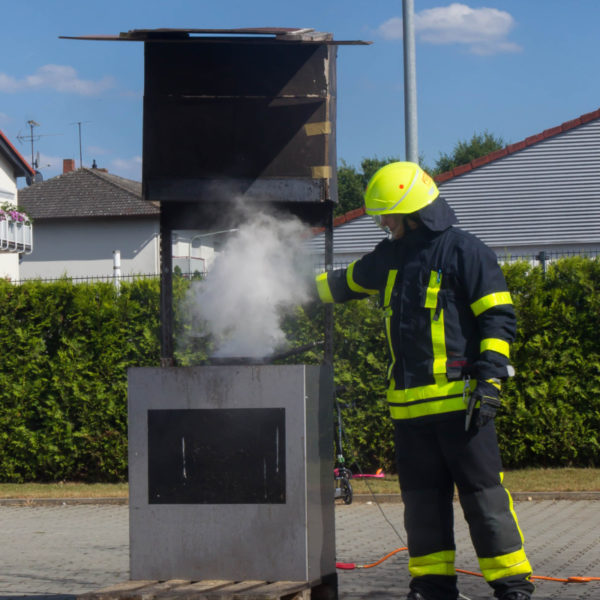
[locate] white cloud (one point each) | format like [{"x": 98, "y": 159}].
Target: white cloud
[
  {"x": 96, "y": 150},
  {"x": 130, "y": 168},
  {"x": 61, "y": 78},
  {"x": 391, "y": 29},
  {"x": 483, "y": 30}
]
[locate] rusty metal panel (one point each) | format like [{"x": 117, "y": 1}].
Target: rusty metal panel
[
  {"x": 280, "y": 34},
  {"x": 236, "y": 119}
]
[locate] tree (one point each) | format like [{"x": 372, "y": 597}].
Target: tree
[
  {"x": 352, "y": 183},
  {"x": 464, "y": 152}
]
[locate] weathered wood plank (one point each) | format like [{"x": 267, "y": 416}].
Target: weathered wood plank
[
  {"x": 113, "y": 591},
  {"x": 278, "y": 590},
  {"x": 150, "y": 592},
  {"x": 228, "y": 592},
  {"x": 209, "y": 589},
  {"x": 191, "y": 591}
]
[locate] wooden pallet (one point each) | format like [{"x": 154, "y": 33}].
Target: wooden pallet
[{"x": 176, "y": 589}]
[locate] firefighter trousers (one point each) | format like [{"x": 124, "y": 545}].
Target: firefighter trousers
[{"x": 432, "y": 457}]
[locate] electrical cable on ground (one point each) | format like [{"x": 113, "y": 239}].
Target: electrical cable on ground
[
  {"x": 360, "y": 471},
  {"x": 575, "y": 579},
  {"x": 351, "y": 566}
]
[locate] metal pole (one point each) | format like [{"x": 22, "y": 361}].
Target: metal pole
[
  {"x": 117, "y": 269},
  {"x": 31, "y": 123},
  {"x": 410, "y": 82},
  {"x": 80, "y": 156},
  {"x": 328, "y": 308},
  {"x": 166, "y": 292}
]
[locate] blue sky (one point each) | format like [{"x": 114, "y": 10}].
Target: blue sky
[{"x": 511, "y": 67}]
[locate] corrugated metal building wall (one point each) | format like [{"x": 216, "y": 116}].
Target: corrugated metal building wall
[
  {"x": 350, "y": 240},
  {"x": 544, "y": 197}
]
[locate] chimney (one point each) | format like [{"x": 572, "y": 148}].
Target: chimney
[{"x": 68, "y": 165}]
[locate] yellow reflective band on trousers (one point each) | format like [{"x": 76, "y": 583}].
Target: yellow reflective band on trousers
[
  {"x": 489, "y": 301},
  {"x": 353, "y": 285},
  {"x": 511, "y": 507},
  {"x": 437, "y": 563},
  {"x": 323, "y": 287},
  {"x": 387, "y": 297},
  {"x": 498, "y": 567},
  {"x": 506, "y": 565},
  {"x": 495, "y": 344},
  {"x": 426, "y": 400}
]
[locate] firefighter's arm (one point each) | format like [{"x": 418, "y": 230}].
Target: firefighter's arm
[
  {"x": 492, "y": 307},
  {"x": 359, "y": 280}
]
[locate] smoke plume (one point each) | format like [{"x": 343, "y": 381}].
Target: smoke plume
[{"x": 262, "y": 272}]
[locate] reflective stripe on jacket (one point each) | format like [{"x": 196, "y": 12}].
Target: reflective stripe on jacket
[{"x": 446, "y": 310}]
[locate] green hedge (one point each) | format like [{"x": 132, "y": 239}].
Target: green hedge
[
  {"x": 65, "y": 350},
  {"x": 551, "y": 408}
]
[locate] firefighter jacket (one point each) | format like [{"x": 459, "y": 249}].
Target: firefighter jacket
[{"x": 446, "y": 307}]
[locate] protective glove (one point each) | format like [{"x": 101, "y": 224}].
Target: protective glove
[{"x": 488, "y": 394}]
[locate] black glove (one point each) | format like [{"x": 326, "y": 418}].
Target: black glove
[{"x": 488, "y": 394}]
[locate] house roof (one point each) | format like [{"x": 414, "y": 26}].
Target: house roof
[
  {"x": 512, "y": 148},
  {"x": 21, "y": 167},
  {"x": 484, "y": 160},
  {"x": 85, "y": 193}
]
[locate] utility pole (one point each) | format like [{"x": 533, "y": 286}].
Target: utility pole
[
  {"x": 410, "y": 82},
  {"x": 31, "y": 138},
  {"x": 80, "y": 157},
  {"x": 79, "y": 124}
]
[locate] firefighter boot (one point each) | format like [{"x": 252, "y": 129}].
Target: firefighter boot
[{"x": 515, "y": 595}]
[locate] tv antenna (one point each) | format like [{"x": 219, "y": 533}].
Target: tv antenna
[
  {"x": 79, "y": 124},
  {"x": 32, "y": 138}
]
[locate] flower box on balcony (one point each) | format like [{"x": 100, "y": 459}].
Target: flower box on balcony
[{"x": 16, "y": 234}]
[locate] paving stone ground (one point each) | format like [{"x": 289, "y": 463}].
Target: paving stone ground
[{"x": 57, "y": 552}]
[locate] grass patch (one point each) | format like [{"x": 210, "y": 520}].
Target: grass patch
[
  {"x": 523, "y": 480},
  {"x": 64, "y": 490}
]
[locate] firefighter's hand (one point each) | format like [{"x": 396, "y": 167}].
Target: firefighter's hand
[{"x": 488, "y": 394}]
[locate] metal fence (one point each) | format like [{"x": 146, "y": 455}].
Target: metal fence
[
  {"x": 542, "y": 259},
  {"x": 90, "y": 278}
]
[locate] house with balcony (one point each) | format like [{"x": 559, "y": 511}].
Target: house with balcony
[{"x": 15, "y": 227}]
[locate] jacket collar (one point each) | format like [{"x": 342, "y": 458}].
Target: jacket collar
[{"x": 438, "y": 216}]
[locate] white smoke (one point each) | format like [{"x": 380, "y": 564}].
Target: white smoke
[{"x": 262, "y": 272}]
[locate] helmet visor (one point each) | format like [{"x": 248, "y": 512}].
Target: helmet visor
[{"x": 377, "y": 220}]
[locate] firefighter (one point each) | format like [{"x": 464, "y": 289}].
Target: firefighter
[{"x": 449, "y": 321}]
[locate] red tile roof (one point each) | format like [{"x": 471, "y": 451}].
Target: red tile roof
[
  {"x": 22, "y": 167},
  {"x": 512, "y": 148},
  {"x": 484, "y": 160}
]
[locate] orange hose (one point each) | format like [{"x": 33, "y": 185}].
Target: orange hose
[
  {"x": 469, "y": 572},
  {"x": 382, "y": 559},
  {"x": 574, "y": 579}
]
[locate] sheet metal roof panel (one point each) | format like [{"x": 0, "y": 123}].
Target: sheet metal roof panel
[
  {"x": 360, "y": 235},
  {"x": 545, "y": 193},
  {"x": 305, "y": 35}
]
